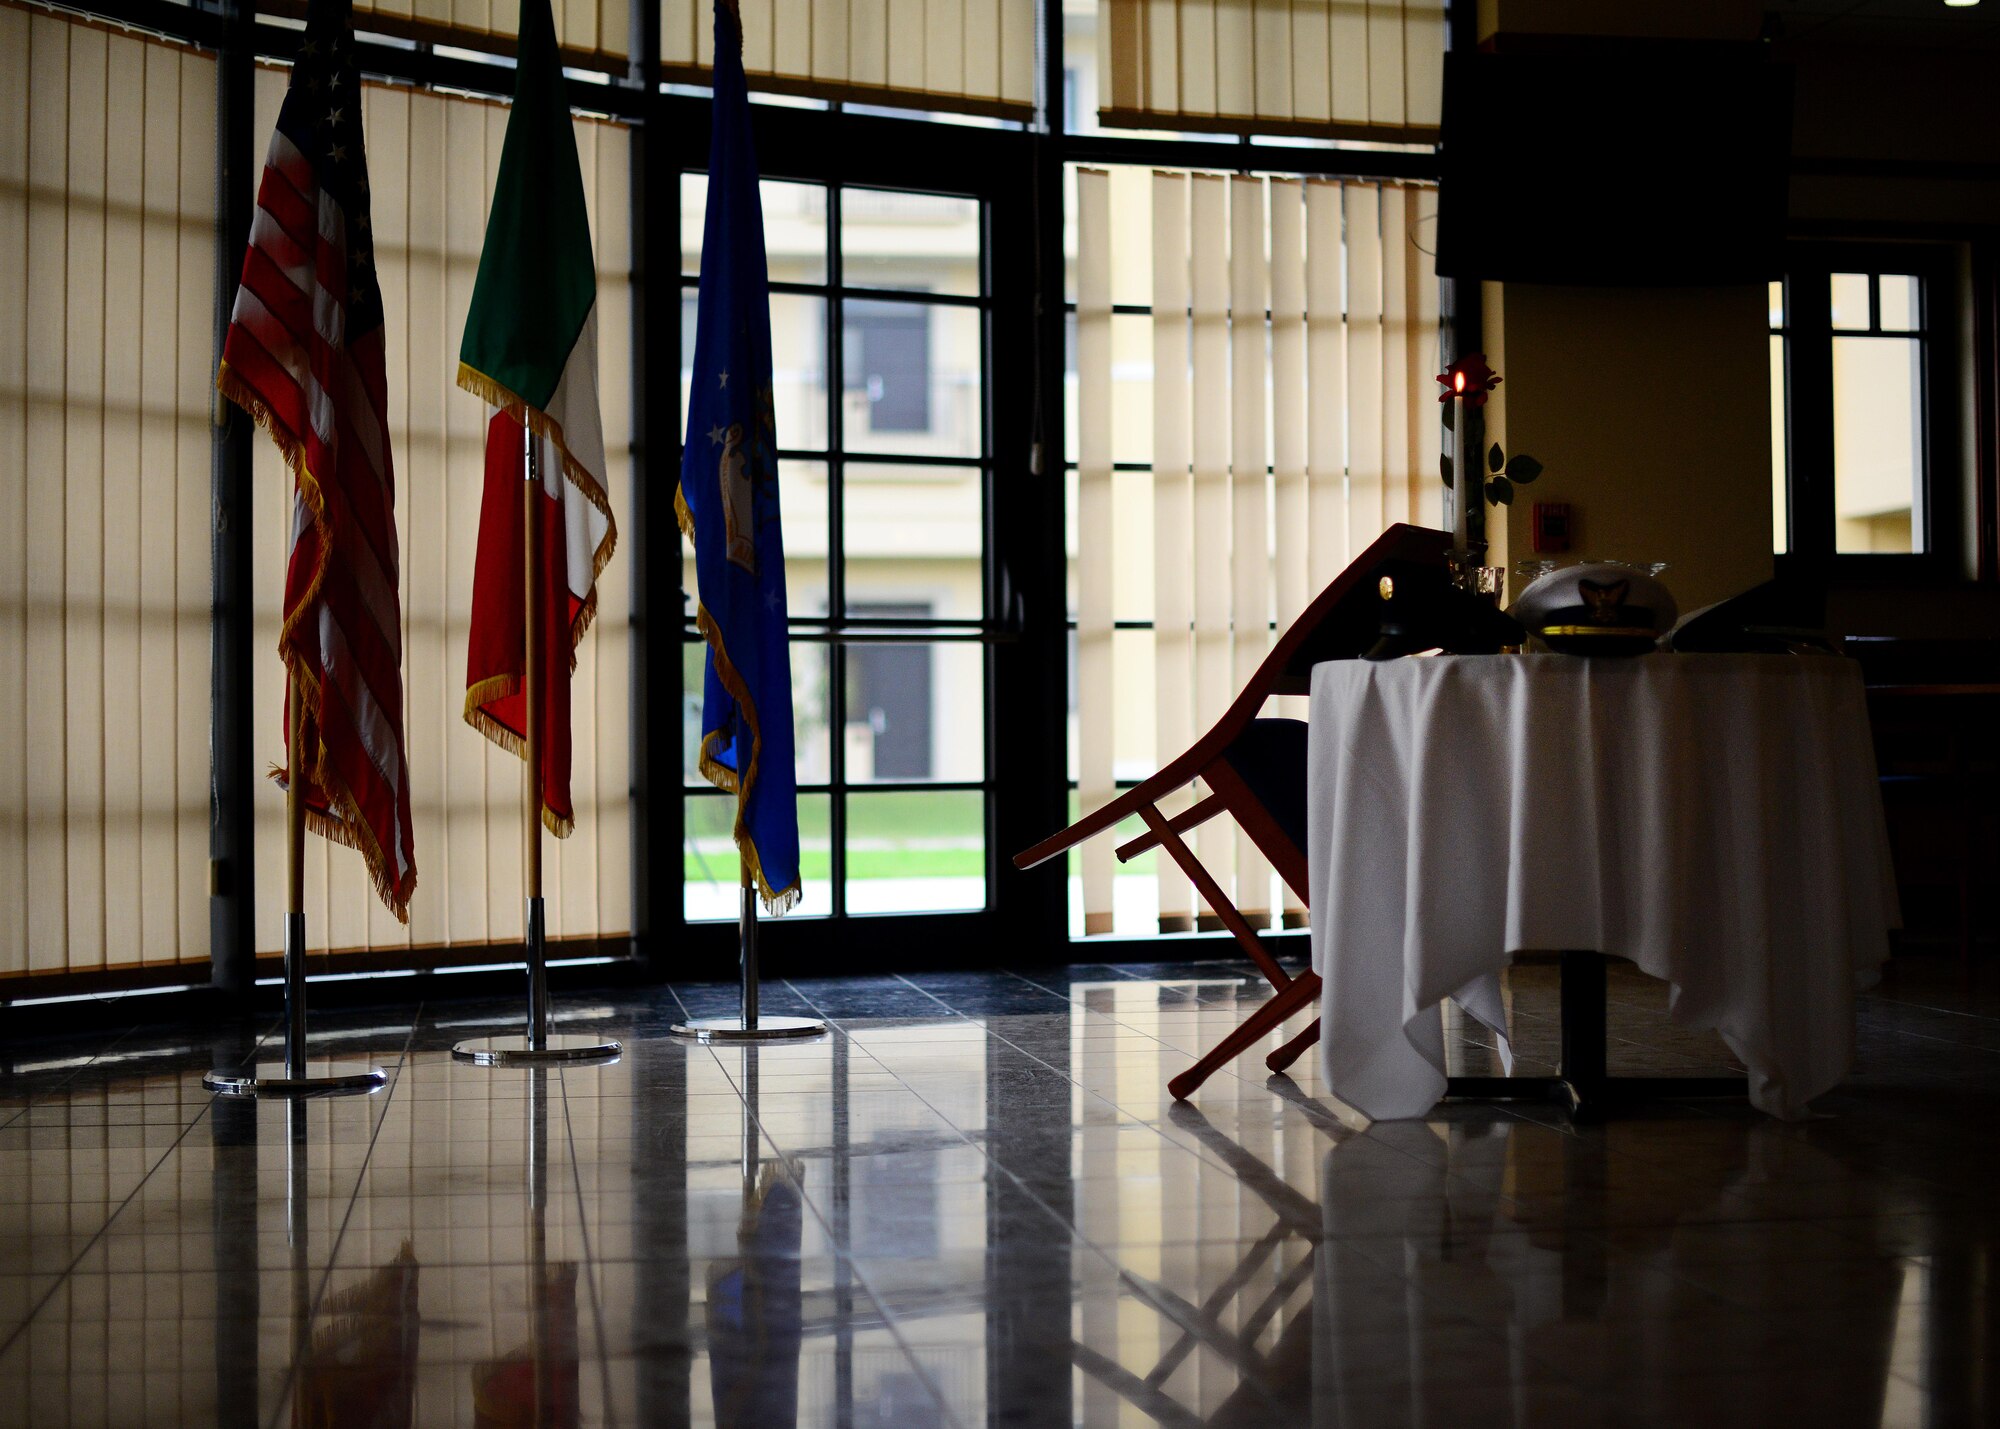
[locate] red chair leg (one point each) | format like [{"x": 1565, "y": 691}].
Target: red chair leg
[
  {"x": 1292, "y": 1050},
  {"x": 1211, "y": 891},
  {"x": 1287, "y": 1000}
]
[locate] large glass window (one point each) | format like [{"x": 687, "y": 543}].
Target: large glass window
[
  {"x": 1247, "y": 363},
  {"x": 429, "y": 225},
  {"x": 1858, "y": 388},
  {"x": 927, "y": 444},
  {"x": 107, "y": 198},
  {"x": 879, "y": 317}
]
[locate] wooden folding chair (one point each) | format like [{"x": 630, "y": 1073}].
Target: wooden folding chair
[{"x": 1255, "y": 770}]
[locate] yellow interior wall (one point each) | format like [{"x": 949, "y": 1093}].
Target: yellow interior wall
[
  {"x": 1650, "y": 410},
  {"x": 1634, "y": 19},
  {"x": 1648, "y": 407}
]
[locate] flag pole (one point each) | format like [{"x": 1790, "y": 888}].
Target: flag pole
[
  {"x": 535, "y": 1046},
  {"x": 534, "y": 929},
  {"x": 295, "y": 883},
  {"x": 295, "y": 1075},
  {"x": 730, "y": 728},
  {"x": 748, "y": 1025},
  {"x": 746, "y": 933}
]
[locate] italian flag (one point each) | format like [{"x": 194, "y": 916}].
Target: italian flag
[{"x": 530, "y": 350}]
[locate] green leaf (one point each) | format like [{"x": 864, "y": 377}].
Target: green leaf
[
  {"x": 1523, "y": 469},
  {"x": 1447, "y": 414},
  {"x": 1500, "y": 490},
  {"x": 1496, "y": 458},
  {"x": 1444, "y": 464}
]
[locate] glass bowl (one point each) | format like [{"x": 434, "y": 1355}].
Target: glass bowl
[{"x": 1527, "y": 572}]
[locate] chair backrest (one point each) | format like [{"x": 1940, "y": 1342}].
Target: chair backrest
[
  {"x": 1340, "y": 624},
  {"x": 1344, "y": 619}
]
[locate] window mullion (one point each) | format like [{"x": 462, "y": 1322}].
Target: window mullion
[
  {"x": 1809, "y": 387},
  {"x": 1925, "y": 524},
  {"x": 836, "y": 551}
]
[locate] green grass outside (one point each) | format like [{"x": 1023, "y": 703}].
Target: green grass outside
[
  {"x": 881, "y": 830},
  {"x": 892, "y": 822}
]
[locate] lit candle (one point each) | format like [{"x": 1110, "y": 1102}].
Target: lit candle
[{"x": 1463, "y": 475}]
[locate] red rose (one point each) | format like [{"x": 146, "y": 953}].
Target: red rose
[{"x": 1479, "y": 379}]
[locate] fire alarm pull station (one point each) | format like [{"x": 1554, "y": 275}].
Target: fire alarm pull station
[{"x": 1551, "y": 527}]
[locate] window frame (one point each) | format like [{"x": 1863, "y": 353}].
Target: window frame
[
  {"x": 846, "y": 150},
  {"x": 1942, "y": 511},
  {"x": 1026, "y": 630}
]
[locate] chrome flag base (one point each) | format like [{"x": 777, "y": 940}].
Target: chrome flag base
[
  {"x": 319, "y": 1077},
  {"x": 735, "y": 1029},
  {"x": 517, "y": 1051},
  {"x": 746, "y": 1025},
  {"x": 296, "y": 1074},
  {"x": 537, "y": 1047}
]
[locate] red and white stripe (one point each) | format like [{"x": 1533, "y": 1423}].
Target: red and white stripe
[{"x": 324, "y": 400}]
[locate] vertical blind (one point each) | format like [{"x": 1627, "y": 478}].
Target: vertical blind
[
  {"x": 431, "y": 162},
  {"x": 107, "y": 213},
  {"x": 1294, "y": 332},
  {"x": 594, "y": 34},
  {"x": 970, "y": 56},
  {"x": 1371, "y": 69}
]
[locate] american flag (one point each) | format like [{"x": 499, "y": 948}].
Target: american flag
[{"x": 304, "y": 356}]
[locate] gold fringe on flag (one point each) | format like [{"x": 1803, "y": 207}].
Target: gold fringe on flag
[
  {"x": 344, "y": 825},
  {"x": 778, "y": 901}
]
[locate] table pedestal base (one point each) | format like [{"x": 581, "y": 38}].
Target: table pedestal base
[
  {"x": 1587, "y": 1103},
  {"x": 1583, "y": 1088}
]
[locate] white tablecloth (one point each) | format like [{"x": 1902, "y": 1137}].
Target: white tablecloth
[{"x": 1714, "y": 818}]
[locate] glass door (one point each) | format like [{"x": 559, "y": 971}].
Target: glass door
[{"x": 880, "y": 316}]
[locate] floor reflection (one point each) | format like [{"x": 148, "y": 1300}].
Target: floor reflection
[
  {"x": 358, "y": 1364},
  {"x": 754, "y": 1314},
  {"x": 973, "y": 1202}
]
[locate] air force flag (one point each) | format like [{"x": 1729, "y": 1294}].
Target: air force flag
[{"x": 728, "y": 502}]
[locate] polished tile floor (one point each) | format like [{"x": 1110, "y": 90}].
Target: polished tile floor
[{"x": 973, "y": 1203}]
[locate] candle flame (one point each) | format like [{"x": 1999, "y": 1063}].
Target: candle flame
[{"x": 1458, "y": 382}]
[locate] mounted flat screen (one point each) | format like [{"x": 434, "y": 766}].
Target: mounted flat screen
[{"x": 1627, "y": 165}]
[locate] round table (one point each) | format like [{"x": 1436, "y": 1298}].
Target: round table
[{"x": 1713, "y": 818}]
